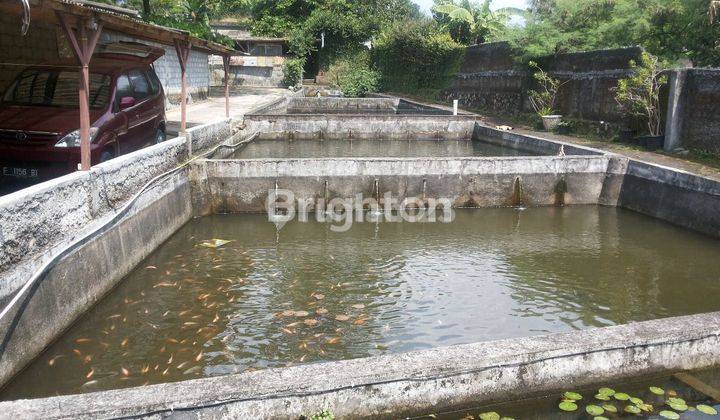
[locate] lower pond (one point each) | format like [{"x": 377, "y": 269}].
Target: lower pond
[
  {"x": 279, "y": 149},
  {"x": 270, "y": 298}
]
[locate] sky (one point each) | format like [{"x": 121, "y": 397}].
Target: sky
[{"x": 496, "y": 4}]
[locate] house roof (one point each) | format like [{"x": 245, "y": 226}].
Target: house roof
[{"x": 113, "y": 18}]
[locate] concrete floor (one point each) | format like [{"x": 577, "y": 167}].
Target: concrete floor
[{"x": 242, "y": 100}]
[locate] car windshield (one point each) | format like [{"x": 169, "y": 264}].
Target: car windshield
[{"x": 57, "y": 88}]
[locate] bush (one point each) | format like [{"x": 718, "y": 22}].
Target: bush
[
  {"x": 293, "y": 71},
  {"x": 416, "y": 57},
  {"x": 639, "y": 95},
  {"x": 354, "y": 76}
]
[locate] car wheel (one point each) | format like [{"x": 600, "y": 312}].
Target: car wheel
[
  {"x": 160, "y": 136},
  {"x": 106, "y": 155}
]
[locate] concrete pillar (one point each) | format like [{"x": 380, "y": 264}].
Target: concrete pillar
[{"x": 676, "y": 109}]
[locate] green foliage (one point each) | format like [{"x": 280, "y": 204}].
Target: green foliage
[
  {"x": 670, "y": 29},
  {"x": 293, "y": 71},
  {"x": 416, "y": 56},
  {"x": 469, "y": 23},
  {"x": 354, "y": 75},
  {"x": 639, "y": 95},
  {"x": 544, "y": 98}
]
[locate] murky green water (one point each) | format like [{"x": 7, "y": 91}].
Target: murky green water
[
  {"x": 307, "y": 294},
  {"x": 665, "y": 387},
  {"x": 269, "y": 149}
]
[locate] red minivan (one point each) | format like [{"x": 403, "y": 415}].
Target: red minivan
[{"x": 40, "y": 121}]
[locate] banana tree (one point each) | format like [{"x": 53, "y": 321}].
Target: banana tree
[{"x": 469, "y": 23}]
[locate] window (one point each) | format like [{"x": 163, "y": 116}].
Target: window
[
  {"x": 154, "y": 81},
  {"x": 51, "y": 87},
  {"x": 140, "y": 84},
  {"x": 123, "y": 89},
  {"x": 266, "y": 50}
]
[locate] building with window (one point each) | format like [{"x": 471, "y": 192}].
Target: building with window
[{"x": 258, "y": 61}]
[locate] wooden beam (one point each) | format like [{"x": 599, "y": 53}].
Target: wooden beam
[
  {"x": 182, "y": 49},
  {"x": 83, "y": 43},
  {"x": 226, "y": 67}
]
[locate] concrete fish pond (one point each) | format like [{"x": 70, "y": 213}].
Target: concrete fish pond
[
  {"x": 261, "y": 298},
  {"x": 386, "y": 286}
]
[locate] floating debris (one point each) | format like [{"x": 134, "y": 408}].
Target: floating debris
[
  {"x": 342, "y": 318},
  {"x": 214, "y": 243}
]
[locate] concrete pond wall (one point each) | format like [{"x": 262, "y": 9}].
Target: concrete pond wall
[
  {"x": 40, "y": 222},
  {"x": 386, "y": 386}
]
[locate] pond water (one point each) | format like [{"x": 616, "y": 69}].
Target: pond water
[
  {"x": 282, "y": 149},
  {"x": 307, "y": 294},
  {"x": 655, "y": 393}
]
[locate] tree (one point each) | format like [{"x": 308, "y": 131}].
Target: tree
[
  {"x": 469, "y": 23},
  {"x": 670, "y": 29},
  {"x": 639, "y": 94},
  {"x": 714, "y": 10}
]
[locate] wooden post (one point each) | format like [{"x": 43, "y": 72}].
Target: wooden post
[
  {"x": 226, "y": 67},
  {"x": 83, "y": 49},
  {"x": 182, "y": 48}
]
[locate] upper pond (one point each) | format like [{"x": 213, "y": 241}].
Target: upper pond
[
  {"x": 282, "y": 149},
  {"x": 306, "y": 294}
]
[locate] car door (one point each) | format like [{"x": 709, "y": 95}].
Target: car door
[
  {"x": 145, "y": 112},
  {"x": 126, "y": 114}
]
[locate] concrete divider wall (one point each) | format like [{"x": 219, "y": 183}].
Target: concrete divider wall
[
  {"x": 301, "y": 105},
  {"x": 415, "y": 383},
  {"x": 235, "y": 186},
  {"x": 530, "y": 143},
  {"x": 364, "y": 126}
]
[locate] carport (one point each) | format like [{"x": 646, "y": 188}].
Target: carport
[{"x": 82, "y": 24}]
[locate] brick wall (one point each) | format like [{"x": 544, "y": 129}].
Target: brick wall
[
  {"x": 490, "y": 80},
  {"x": 47, "y": 44}
]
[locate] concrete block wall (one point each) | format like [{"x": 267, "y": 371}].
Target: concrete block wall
[
  {"x": 693, "y": 120},
  {"x": 490, "y": 80},
  {"x": 167, "y": 68}
]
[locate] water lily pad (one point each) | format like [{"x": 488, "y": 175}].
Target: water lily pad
[
  {"x": 572, "y": 396},
  {"x": 657, "y": 391},
  {"x": 606, "y": 391},
  {"x": 603, "y": 397},
  {"x": 594, "y": 410},
  {"x": 706, "y": 409},
  {"x": 489, "y": 416},
  {"x": 632, "y": 409},
  {"x": 678, "y": 406},
  {"x": 609, "y": 408},
  {"x": 637, "y": 401},
  {"x": 214, "y": 243},
  {"x": 621, "y": 396},
  {"x": 675, "y": 400},
  {"x": 667, "y": 414},
  {"x": 567, "y": 406},
  {"x": 600, "y": 418}
]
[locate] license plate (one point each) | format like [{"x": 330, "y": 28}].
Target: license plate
[{"x": 15, "y": 172}]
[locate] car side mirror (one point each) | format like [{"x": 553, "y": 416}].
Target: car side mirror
[{"x": 126, "y": 102}]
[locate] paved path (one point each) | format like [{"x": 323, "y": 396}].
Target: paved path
[{"x": 213, "y": 109}]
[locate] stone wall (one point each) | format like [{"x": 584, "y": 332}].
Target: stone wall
[
  {"x": 47, "y": 44},
  {"x": 491, "y": 80},
  {"x": 694, "y": 113}
]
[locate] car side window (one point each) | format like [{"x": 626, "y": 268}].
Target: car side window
[
  {"x": 123, "y": 89},
  {"x": 140, "y": 84},
  {"x": 154, "y": 81}
]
